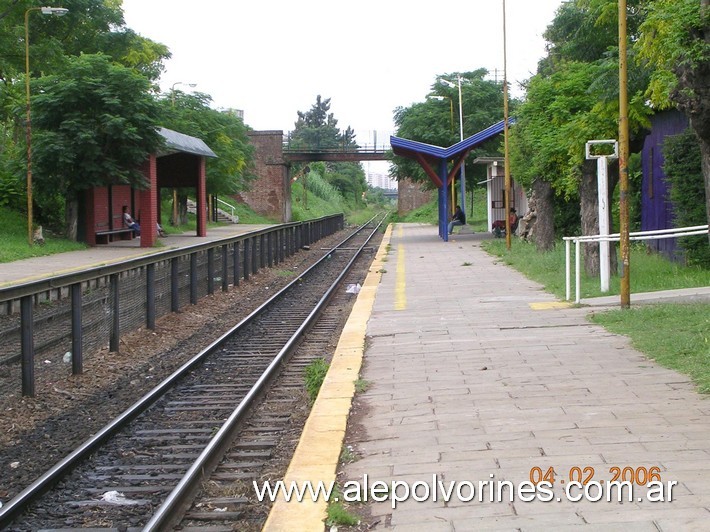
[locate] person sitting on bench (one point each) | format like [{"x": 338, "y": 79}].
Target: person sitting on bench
[
  {"x": 130, "y": 222},
  {"x": 513, "y": 220},
  {"x": 459, "y": 218}
]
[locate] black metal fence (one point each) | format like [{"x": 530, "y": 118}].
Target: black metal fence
[{"x": 58, "y": 319}]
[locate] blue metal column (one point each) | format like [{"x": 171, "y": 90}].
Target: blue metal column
[{"x": 443, "y": 202}]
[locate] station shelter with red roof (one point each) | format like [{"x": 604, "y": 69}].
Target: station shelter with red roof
[{"x": 180, "y": 164}]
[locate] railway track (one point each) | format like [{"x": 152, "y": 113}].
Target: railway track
[{"x": 143, "y": 470}]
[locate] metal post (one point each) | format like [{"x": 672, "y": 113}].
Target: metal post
[
  {"x": 27, "y": 346},
  {"x": 247, "y": 252},
  {"x": 150, "y": 296},
  {"x": 237, "y": 274},
  {"x": 225, "y": 269},
  {"x": 577, "y": 273},
  {"x": 115, "y": 315},
  {"x": 625, "y": 299},
  {"x": 270, "y": 249},
  {"x": 602, "y": 194},
  {"x": 505, "y": 135},
  {"x": 174, "y": 285},
  {"x": 193, "y": 278},
  {"x": 463, "y": 163},
  {"x": 28, "y": 126},
  {"x": 254, "y": 256},
  {"x": 262, "y": 251},
  {"x": 603, "y": 204},
  {"x": 210, "y": 271},
  {"x": 567, "y": 270},
  {"x": 77, "y": 362}
]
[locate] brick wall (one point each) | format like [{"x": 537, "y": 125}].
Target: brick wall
[
  {"x": 412, "y": 195},
  {"x": 270, "y": 194}
]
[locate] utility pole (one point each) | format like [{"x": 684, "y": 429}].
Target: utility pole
[
  {"x": 505, "y": 135},
  {"x": 624, "y": 160}
]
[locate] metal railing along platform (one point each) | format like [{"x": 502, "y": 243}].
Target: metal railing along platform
[{"x": 639, "y": 235}]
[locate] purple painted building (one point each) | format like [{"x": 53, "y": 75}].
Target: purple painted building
[{"x": 656, "y": 207}]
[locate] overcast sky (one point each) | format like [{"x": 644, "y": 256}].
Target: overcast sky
[{"x": 271, "y": 58}]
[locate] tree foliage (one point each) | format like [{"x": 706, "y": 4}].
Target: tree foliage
[
  {"x": 683, "y": 168},
  {"x": 90, "y": 26},
  {"x": 223, "y": 131},
  {"x": 317, "y": 129},
  {"x": 573, "y": 99},
  {"x": 676, "y": 41},
  {"x": 93, "y": 125}
]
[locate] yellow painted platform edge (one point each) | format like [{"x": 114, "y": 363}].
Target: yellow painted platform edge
[{"x": 318, "y": 450}]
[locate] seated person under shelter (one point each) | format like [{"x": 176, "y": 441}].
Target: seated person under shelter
[
  {"x": 128, "y": 221},
  {"x": 459, "y": 218}
]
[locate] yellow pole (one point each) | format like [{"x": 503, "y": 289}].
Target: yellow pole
[
  {"x": 175, "y": 207},
  {"x": 623, "y": 159},
  {"x": 505, "y": 135},
  {"x": 28, "y": 127},
  {"x": 58, "y": 11}
]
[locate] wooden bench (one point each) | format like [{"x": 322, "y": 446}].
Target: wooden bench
[{"x": 106, "y": 236}]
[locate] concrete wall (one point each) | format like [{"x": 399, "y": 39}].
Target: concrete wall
[
  {"x": 270, "y": 194},
  {"x": 412, "y": 195}
]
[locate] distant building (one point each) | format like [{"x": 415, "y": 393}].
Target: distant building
[{"x": 383, "y": 181}]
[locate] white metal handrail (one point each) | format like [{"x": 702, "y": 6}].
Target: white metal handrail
[
  {"x": 229, "y": 205},
  {"x": 657, "y": 234}
]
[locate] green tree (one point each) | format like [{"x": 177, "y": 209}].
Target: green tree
[
  {"x": 572, "y": 99},
  {"x": 435, "y": 120},
  {"x": 317, "y": 129},
  {"x": 223, "y": 131},
  {"x": 92, "y": 126},
  {"x": 683, "y": 168},
  {"x": 90, "y": 26},
  {"x": 675, "y": 39}
]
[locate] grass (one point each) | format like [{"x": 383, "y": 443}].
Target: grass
[
  {"x": 677, "y": 336},
  {"x": 361, "y": 385},
  {"x": 14, "y": 239},
  {"x": 649, "y": 272},
  {"x": 314, "y": 374},
  {"x": 337, "y": 513},
  {"x": 347, "y": 456},
  {"x": 477, "y": 218}
]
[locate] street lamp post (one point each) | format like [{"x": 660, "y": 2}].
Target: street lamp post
[
  {"x": 58, "y": 11},
  {"x": 451, "y": 106},
  {"x": 506, "y": 127},
  {"x": 463, "y": 164},
  {"x": 172, "y": 89}
]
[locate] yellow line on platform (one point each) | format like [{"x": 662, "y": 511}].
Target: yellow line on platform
[
  {"x": 400, "y": 289},
  {"x": 549, "y": 305}
]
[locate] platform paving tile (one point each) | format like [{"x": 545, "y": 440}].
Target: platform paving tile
[{"x": 460, "y": 392}]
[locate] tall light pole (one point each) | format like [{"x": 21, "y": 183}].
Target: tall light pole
[
  {"x": 505, "y": 135},
  {"x": 172, "y": 101},
  {"x": 463, "y": 164},
  {"x": 625, "y": 300},
  {"x": 172, "y": 89},
  {"x": 58, "y": 11},
  {"x": 451, "y": 106}
]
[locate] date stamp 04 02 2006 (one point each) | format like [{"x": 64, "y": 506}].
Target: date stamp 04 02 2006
[{"x": 585, "y": 475}]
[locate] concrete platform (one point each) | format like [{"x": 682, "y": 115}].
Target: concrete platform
[
  {"x": 479, "y": 380},
  {"x": 37, "y": 268}
]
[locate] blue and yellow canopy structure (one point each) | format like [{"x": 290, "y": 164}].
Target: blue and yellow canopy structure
[{"x": 435, "y": 162}]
